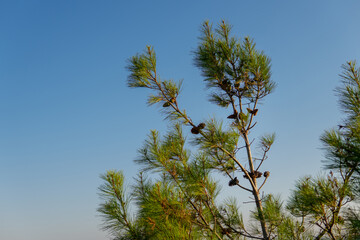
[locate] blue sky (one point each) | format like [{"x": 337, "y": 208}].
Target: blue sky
[{"x": 67, "y": 115}]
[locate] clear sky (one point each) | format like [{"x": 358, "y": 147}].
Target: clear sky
[{"x": 67, "y": 115}]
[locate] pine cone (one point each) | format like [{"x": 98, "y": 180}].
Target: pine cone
[
  {"x": 195, "y": 130},
  {"x": 252, "y": 111},
  {"x": 225, "y": 231},
  {"x": 201, "y": 126},
  {"x": 258, "y": 174},
  {"x": 255, "y": 174},
  {"x": 233, "y": 182},
  {"x": 232, "y": 116},
  {"x": 167, "y": 104}
]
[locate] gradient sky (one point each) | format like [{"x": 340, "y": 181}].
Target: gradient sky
[{"x": 67, "y": 115}]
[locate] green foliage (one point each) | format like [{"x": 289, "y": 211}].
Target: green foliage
[
  {"x": 163, "y": 210},
  {"x": 142, "y": 68},
  {"x": 115, "y": 209},
  {"x": 181, "y": 200},
  {"x": 343, "y": 145},
  {"x": 232, "y": 65},
  {"x": 315, "y": 197},
  {"x": 163, "y": 155},
  {"x": 320, "y": 201},
  {"x": 184, "y": 197},
  {"x": 343, "y": 148},
  {"x": 214, "y": 138},
  {"x": 266, "y": 141},
  {"x": 116, "y": 206},
  {"x": 181, "y": 203},
  {"x": 353, "y": 223},
  {"x": 323, "y": 201},
  {"x": 349, "y": 93},
  {"x": 279, "y": 223}
]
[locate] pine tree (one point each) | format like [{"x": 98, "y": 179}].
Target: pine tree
[
  {"x": 323, "y": 201},
  {"x": 180, "y": 203}
]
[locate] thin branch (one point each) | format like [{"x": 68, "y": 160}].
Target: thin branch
[
  {"x": 263, "y": 183},
  {"x": 262, "y": 159}
]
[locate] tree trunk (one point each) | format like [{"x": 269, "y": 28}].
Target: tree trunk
[{"x": 255, "y": 191}]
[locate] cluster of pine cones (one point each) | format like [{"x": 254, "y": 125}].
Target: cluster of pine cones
[{"x": 255, "y": 174}]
